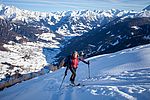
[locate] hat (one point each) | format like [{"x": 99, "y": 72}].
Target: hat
[{"x": 75, "y": 52}]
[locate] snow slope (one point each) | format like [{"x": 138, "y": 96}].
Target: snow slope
[{"x": 121, "y": 75}]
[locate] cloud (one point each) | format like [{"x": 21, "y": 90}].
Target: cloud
[
  {"x": 77, "y": 4},
  {"x": 58, "y": 3}
]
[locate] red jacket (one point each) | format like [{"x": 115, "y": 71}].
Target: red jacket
[{"x": 75, "y": 62}]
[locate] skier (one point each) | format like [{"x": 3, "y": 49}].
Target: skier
[{"x": 71, "y": 62}]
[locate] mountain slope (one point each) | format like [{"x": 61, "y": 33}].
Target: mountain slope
[
  {"x": 126, "y": 76},
  {"x": 117, "y": 35},
  {"x": 147, "y": 8}
]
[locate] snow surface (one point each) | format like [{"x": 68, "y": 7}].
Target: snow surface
[
  {"x": 121, "y": 75},
  {"x": 17, "y": 56},
  {"x": 135, "y": 27}
]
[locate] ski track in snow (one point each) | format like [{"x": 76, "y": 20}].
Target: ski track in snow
[{"x": 127, "y": 79}]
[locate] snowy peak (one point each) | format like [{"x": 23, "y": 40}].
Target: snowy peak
[
  {"x": 65, "y": 22},
  {"x": 147, "y": 8}
]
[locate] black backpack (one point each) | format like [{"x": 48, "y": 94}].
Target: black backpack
[{"x": 67, "y": 61}]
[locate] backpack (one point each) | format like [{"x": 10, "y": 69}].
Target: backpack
[{"x": 67, "y": 61}]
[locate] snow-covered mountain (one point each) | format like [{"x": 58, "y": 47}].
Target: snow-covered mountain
[
  {"x": 122, "y": 75},
  {"x": 117, "y": 35},
  {"x": 56, "y": 26},
  {"x": 147, "y": 8},
  {"x": 66, "y": 22},
  {"x": 31, "y": 40}
]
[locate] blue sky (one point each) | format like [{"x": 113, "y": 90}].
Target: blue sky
[{"x": 61, "y": 5}]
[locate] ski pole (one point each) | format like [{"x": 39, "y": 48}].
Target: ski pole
[
  {"x": 62, "y": 82},
  {"x": 89, "y": 69}
]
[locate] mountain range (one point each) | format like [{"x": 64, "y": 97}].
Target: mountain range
[
  {"x": 112, "y": 37},
  {"x": 31, "y": 40}
]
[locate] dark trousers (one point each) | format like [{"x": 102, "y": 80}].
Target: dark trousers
[{"x": 73, "y": 76}]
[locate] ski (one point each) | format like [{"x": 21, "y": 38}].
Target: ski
[{"x": 74, "y": 85}]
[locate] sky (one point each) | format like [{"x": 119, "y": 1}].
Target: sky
[{"x": 65, "y": 5}]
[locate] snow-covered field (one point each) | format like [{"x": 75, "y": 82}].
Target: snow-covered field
[
  {"x": 21, "y": 55},
  {"x": 27, "y": 57},
  {"x": 121, "y": 75}
]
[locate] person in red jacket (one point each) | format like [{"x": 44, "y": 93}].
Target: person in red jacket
[{"x": 72, "y": 63}]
